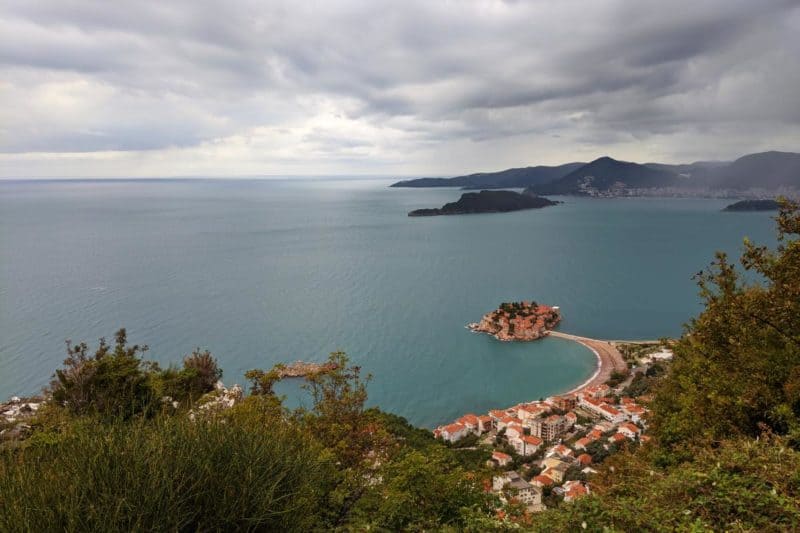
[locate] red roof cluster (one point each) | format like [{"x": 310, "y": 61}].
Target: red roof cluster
[{"x": 453, "y": 428}]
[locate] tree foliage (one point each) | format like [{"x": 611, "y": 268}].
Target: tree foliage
[
  {"x": 737, "y": 370},
  {"x": 741, "y": 485},
  {"x": 113, "y": 382},
  {"x": 198, "y": 376}
]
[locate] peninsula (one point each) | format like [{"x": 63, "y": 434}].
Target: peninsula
[
  {"x": 487, "y": 202},
  {"x": 518, "y": 321}
]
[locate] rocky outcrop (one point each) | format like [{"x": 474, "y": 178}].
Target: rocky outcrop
[
  {"x": 15, "y": 415},
  {"x": 17, "y": 409},
  {"x": 301, "y": 369},
  {"x": 218, "y": 400},
  {"x": 518, "y": 321}
]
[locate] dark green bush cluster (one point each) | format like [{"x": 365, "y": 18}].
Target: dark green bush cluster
[
  {"x": 198, "y": 376},
  {"x": 115, "y": 382}
]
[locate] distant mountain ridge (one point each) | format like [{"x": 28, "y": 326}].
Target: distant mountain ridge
[
  {"x": 765, "y": 170},
  {"x": 606, "y": 176},
  {"x": 511, "y": 178}
]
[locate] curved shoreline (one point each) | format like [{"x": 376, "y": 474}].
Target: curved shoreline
[
  {"x": 609, "y": 359},
  {"x": 591, "y": 380}
]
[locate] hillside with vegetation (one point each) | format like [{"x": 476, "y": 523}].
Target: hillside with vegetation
[
  {"x": 510, "y": 178},
  {"x": 123, "y": 444},
  {"x": 753, "y": 173},
  {"x": 472, "y": 203},
  {"x": 607, "y": 175}
]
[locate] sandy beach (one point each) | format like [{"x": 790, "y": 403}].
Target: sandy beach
[{"x": 609, "y": 359}]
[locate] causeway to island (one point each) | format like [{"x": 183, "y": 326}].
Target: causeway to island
[{"x": 560, "y": 437}]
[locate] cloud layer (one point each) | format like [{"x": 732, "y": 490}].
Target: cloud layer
[{"x": 258, "y": 88}]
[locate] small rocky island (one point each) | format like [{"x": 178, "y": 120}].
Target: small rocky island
[
  {"x": 518, "y": 321},
  {"x": 487, "y": 202},
  {"x": 753, "y": 205},
  {"x": 301, "y": 369}
]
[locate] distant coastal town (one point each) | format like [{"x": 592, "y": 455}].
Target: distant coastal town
[{"x": 546, "y": 448}]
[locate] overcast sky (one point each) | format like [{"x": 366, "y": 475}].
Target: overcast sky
[{"x": 206, "y": 88}]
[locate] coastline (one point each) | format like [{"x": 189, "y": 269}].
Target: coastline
[{"x": 609, "y": 359}]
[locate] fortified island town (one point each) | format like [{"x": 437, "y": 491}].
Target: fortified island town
[
  {"x": 518, "y": 321},
  {"x": 547, "y": 447}
]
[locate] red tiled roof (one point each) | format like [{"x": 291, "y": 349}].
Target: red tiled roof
[
  {"x": 500, "y": 456},
  {"x": 585, "y": 459},
  {"x": 468, "y": 419},
  {"x": 630, "y": 427},
  {"x": 576, "y": 491},
  {"x": 544, "y": 480},
  {"x": 453, "y": 428},
  {"x": 608, "y": 409},
  {"x": 562, "y": 450},
  {"x": 617, "y": 437}
]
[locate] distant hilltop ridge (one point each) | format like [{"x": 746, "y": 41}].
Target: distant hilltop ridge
[
  {"x": 606, "y": 176},
  {"x": 487, "y": 202},
  {"x": 518, "y": 321}
]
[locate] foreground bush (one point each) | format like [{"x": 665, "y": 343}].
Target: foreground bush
[
  {"x": 737, "y": 371},
  {"x": 167, "y": 474},
  {"x": 744, "y": 485},
  {"x": 117, "y": 382}
]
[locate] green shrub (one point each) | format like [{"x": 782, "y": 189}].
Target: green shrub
[
  {"x": 165, "y": 474},
  {"x": 198, "y": 376},
  {"x": 114, "y": 383},
  {"x": 744, "y": 485},
  {"x": 422, "y": 491}
]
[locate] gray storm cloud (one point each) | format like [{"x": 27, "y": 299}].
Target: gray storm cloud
[{"x": 228, "y": 88}]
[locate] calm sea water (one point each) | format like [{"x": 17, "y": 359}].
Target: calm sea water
[{"x": 267, "y": 271}]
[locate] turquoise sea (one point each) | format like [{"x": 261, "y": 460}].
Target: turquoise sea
[{"x": 262, "y": 271}]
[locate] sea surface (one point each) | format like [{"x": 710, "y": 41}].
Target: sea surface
[{"x": 264, "y": 271}]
